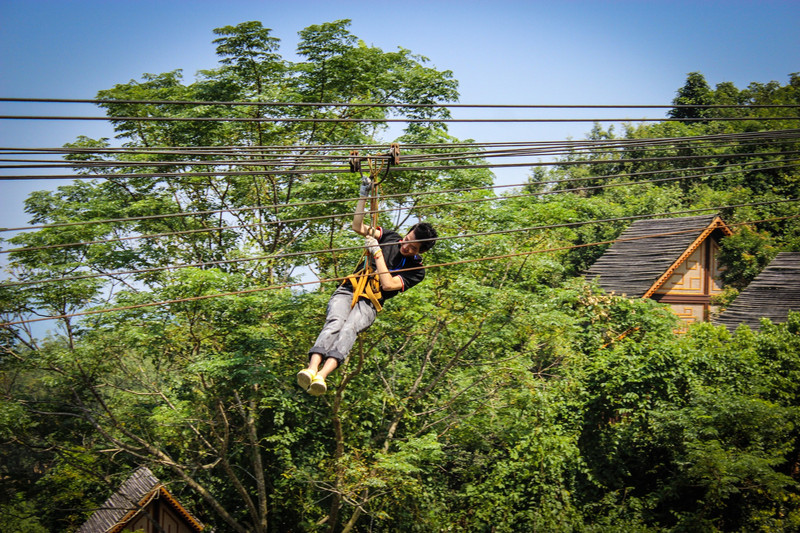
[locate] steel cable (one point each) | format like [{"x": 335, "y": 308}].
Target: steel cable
[
  {"x": 302, "y": 154},
  {"x": 566, "y": 145},
  {"x": 294, "y": 120},
  {"x": 344, "y": 169},
  {"x": 351, "y": 248},
  {"x": 281, "y": 160},
  {"x": 386, "y": 104},
  {"x": 275, "y": 207},
  {"x": 392, "y": 210},
  {"x": 340, "y": 279}
]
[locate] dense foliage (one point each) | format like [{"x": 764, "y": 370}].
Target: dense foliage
[{"x": 510, "y": 395}]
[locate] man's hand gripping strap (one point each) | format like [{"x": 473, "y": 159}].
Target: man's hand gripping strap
[{"x": 366, "y": 284}]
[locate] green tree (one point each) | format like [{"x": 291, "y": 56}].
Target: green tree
[
  {"x": 198, "y": 389},
  {"x": 746, "y": 254},
  {"x": 695, "y": 92},
  {"x": 496, "y": 396}
]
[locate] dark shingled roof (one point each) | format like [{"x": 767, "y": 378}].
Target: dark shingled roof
[
  {"x": 773, "y": 293},
  {"x": 129, "y": 494},
  {"x": 631, "y": 267},
  {"x": 133, "y": 496}
]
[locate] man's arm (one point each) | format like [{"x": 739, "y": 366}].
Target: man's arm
[
  {"x": 389, "y": 282},
  {"x": 358, "y": 219}
]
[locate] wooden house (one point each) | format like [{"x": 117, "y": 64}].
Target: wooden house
[
  {"x": 142, "y": 503},
  {"x": 673, "y": 261},
  {"x": 772, "y": 294}
]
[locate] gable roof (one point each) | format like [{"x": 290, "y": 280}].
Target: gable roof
[
  {"x": 129, "y": 500},
  {"x": 772, "y": 294},
  {"x": 647, "y": 253}
]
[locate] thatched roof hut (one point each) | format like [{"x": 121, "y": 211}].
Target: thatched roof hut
[
  {"x": 772, "y": 294},
  {"x": 139, "y": 504},
  {"x": 672, "y": 260}
]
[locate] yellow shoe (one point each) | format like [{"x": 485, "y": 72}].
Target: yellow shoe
[
  {"x": 318, "y": 386},
  {"x": 304, "y": 378}
]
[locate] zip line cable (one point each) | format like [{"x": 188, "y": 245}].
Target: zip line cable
[
  {"x": 243, "y": 150},
  {"x": 310, "y": 159},
  {"x": 351, "y": 248},
  {"x": 274, "y": 207},
  {"x": 320, "y": 159},
  {"x": 339, "y": 279},
  {"x": 385, "y": 211},
  {"x": 347, "y": 200},
  {"x": 343, "y": 169},
  {"x": 237, "y": 149},
  {"x": 292, "y": 157},
  {"x": 391, "y": 120},
  {"x": 279, "y": 158}
]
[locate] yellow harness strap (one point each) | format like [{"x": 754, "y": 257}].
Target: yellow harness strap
[
  {"x": 365, "y": 281},
  {"x": 366, "y": 284}
]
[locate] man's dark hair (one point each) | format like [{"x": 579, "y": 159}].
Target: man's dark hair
[{"x": 425, "y": 233}]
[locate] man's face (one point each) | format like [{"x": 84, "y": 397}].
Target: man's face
[{"x": 409, "y": 249}]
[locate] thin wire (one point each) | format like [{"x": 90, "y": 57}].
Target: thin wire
[
  {"x": 293, "y": 159},
  {"x": 390, "y": 120},
  {"x": 351, "y": 248},
  {"x": 339, "y": 279},
  {"x": 538, "y": 149},
  {"x": 345, "y": 169},
  {"x": 201, "y": 150},
  {"x": 275, "y": 207},
  {"x": 397, "y": 105},
  {"x": 342, "y": 215}
]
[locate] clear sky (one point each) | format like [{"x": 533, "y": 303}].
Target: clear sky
[{"x": 501, "y": 51}]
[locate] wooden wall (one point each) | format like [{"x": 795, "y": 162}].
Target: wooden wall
[{"x": 690, "y": 288}]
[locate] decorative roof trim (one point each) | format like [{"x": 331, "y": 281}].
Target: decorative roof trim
[
  {"x": 130, "y": 515},
  {"x": 716, "y": 224},
  {"x": 193, "y": 522},
  {"x": 157, "y": 491}
]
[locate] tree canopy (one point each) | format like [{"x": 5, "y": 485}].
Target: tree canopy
[{"x": 510, "y": 395}]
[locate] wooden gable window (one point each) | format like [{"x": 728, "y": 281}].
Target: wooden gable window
[
  {"x": 692, "y": 284},
  {"x": 673, "y": 261}
]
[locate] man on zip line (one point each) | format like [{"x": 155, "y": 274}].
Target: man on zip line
[{"x": 394, "y": 265}]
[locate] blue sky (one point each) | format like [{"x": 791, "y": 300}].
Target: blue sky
[{"x": 502, "y": 52}]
